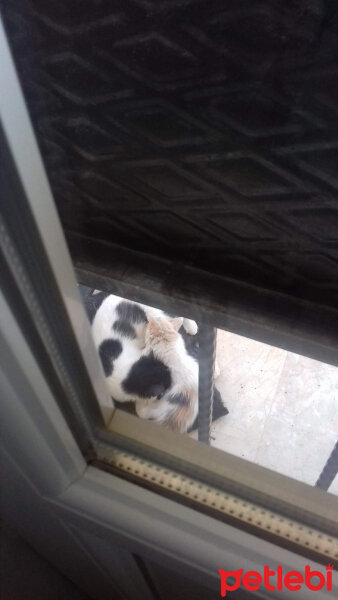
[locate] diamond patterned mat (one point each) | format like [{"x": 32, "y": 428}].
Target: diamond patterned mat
[{"x": 201, "y": 132}]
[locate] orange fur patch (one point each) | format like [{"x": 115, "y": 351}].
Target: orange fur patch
[
  {"x": 160, "y": 330},
  {"x": 182, "y": 413},
  {"x": 178, "y": 418}
]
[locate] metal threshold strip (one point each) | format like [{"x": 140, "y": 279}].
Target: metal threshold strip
[
  {"x": 224, "y": 486},
  {"x": 253, "y": 518}
]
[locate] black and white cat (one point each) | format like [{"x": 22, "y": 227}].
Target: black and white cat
[
  {"x": 137, "y": 368},
  {"x": 131, "y": 370}
]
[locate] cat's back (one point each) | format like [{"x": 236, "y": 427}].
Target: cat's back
[{"x": 104, "y": 318}]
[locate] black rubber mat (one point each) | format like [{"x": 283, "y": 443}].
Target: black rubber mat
[{"x": 203, "y": 133}]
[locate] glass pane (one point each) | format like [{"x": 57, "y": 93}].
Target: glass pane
[
  {"x": 188, "y": 182},
  {"x": 272, "y": 407}
]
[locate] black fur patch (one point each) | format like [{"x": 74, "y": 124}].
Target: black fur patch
[
  {"x": 181, "y": 399},
  {"x": 93, "y": 302},
  {"x": 218, "y": 410},
  {"x": 148, "y": 377},
  {"x": 128, "y": 311},
  {"x": 109, "y": 350},
  {"x": 124, "y": 328}
]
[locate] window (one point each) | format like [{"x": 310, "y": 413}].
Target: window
[
  {"x": 283, "y": 407},
  {"x": 40, "y": 285}
]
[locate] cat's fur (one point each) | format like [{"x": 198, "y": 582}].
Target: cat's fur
[
  {"x": 178, "y": 407},
  {"x": 132, "y": 371}
]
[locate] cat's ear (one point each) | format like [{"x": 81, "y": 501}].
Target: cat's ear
[{"x": 177, "y": 323}]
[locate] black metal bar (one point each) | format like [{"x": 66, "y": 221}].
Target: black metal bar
[
  {"x": 330, "y": 470},
  {"x": 207, "y": 350}
]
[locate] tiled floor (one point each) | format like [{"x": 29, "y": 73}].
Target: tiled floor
[{"x": 283, "y": 407}]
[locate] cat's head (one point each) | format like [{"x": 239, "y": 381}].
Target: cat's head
[{"x": 162, "y": 331}]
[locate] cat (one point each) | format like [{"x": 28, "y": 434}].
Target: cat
[
  {"x": 136, "y": 375},
  {"x": 178, "y": 406},
  {"x": 118, "y": 329}
]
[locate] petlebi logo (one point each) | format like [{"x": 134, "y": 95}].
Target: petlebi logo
[{"x": 275, "y": 580}]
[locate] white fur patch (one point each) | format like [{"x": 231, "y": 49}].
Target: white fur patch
[{"x": 190, "y": 326}]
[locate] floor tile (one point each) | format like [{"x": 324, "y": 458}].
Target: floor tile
[
  {"x": 283, "y": 407},
  {"x": 333, "y": 489}
]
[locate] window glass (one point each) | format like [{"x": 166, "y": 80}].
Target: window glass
[
  {"x": 272, "y": 407},
  {"x": 191, "y": 178}
]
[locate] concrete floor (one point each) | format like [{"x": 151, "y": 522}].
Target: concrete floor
[{"x": 283, "y": 408}]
